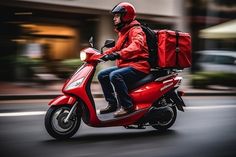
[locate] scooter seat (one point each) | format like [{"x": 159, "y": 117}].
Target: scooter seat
[{"x": 149, "y": 78}]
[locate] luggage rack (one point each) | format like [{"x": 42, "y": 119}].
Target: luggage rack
[
  {"x": 165, "y": 77},
  {"x": 166, "y": 73},
  {"x": 167, "y": 70}
]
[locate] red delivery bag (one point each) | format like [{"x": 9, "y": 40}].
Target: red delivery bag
[{"x": 174, "y": 49}]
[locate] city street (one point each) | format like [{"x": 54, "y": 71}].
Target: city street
[{"x": 207, "y": 128}]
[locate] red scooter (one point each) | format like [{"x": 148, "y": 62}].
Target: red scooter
[{"x": 155, "y": 98}]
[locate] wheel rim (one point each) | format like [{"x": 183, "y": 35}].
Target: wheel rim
[{"x": 58, "y": 124}]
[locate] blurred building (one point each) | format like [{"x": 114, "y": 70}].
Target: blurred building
[
  {"x": 212, "y": 25},
  {"x": 58, "y": 29},
  {"x": 55, "y": 30}
]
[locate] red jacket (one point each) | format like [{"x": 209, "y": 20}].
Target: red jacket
[{"x": 132, "y": 47}]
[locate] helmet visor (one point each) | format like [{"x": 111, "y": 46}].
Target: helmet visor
[{"x": 118, "y": 9}]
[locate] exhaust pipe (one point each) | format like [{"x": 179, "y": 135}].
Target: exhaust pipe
[{"x": 155, "y": 113}]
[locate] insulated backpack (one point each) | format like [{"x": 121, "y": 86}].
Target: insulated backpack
[{"x": 167, "y": 48}]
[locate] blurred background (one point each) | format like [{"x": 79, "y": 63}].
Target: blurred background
[{"x": 40, "y": 40}]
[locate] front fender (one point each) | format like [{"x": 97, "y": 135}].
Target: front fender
[{"x": 62, "y": 100}]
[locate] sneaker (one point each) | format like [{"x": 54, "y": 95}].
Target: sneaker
[
  {"x": 108, "y": 109},
  {"x": 122, "y": 112}
]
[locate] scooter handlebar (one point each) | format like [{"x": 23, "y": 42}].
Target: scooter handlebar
[{"x": 100, "y": 60}]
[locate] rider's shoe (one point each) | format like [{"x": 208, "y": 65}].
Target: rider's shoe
[
  {"x": 108, "y": 109},
  {"x": 122, "y": 112}
]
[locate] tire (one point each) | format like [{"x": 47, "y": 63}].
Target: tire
[
  {"x": 55, "y": 125},
  {"x": 164, "y": 125}
]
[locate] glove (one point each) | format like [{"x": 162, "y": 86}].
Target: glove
[{"x": 113, "y": 56}]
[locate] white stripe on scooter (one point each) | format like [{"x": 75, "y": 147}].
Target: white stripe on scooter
[
  {"x": 35, "y": 113},
  {"x": 14, "y": 114}
]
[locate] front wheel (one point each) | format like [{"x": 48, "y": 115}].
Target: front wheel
[
  {"x": 55, "y": 125},
  {"x": 166, "y": 120}
]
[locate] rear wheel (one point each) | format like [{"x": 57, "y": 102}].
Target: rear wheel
[
  {"x": 166, "y": 120},
  {"x": 55, "y": 124}
]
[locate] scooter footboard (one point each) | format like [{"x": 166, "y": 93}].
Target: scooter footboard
[{"x": 62, "y": 100}]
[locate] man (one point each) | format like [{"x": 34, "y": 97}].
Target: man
[{"x": 131, "y": 52}]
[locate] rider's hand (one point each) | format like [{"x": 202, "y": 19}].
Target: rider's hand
[{"x": 113, "y": 56}]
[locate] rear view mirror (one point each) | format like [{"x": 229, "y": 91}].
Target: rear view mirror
[
  {"x": 109, "y": 43},
  {"x": 91, "y": 41}
]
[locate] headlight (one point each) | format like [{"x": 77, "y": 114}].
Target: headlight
[
  {"x": 75, "y": 84},
  {"x": 83, "y": 55}
]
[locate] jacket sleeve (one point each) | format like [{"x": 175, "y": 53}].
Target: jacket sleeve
[
  {"x": 109, "y": 51},
  {"x": 135, "y": 49}
]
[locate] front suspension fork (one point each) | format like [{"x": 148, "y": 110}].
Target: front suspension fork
[{"x": 71, "y": 112}]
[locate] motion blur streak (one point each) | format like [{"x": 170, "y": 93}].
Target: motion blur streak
[
  {"x": 13, "y": 114},
  {"x": 210, "y": 107},
  {"x": 33, "y": 113}
]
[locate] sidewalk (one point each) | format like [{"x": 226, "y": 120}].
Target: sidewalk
[{"x": 16, "y": 91}]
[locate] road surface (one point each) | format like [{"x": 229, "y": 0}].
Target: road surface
[{"x": 206, "y": 129}]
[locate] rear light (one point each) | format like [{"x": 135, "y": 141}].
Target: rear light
[{"x": 180, "y": 93}]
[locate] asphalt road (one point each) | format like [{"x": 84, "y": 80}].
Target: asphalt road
[{"x": 206, "y": 129}]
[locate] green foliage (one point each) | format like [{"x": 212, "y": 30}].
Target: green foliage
[
  {"x": 71, "y": 63},
  {"x": 67, "y": 67},
  {"x": 202, "y": 79},
  {"x": 23, "y": 60}
]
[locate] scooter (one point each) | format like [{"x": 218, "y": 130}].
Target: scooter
[{"x": 155, "y": 99}]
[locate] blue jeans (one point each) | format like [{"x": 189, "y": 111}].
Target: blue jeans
[{"x": 115, "y": 84}]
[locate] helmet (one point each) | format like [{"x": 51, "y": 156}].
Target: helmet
[{"x": 126, "y": 10}]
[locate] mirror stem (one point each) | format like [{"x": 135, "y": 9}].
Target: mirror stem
[{"x": 102, "y": 49}]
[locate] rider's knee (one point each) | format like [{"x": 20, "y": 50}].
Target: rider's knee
[
  {"x": 114, "y": 77},
  {"x": 101, "y": 75}
]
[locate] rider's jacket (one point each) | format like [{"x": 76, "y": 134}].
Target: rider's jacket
[{"x": 132, "y": 48}]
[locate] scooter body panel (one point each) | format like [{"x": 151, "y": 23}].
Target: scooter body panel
[
  {"x": 146, "y": 95},
  {"x": 83, "y": 92},
  {"x": 63, "y": 100}
]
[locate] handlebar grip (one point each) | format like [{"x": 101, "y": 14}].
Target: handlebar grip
[{"x": 101, "y": 60}]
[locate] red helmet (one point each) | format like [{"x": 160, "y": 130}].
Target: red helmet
[{"x": 126, "y": 10}]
